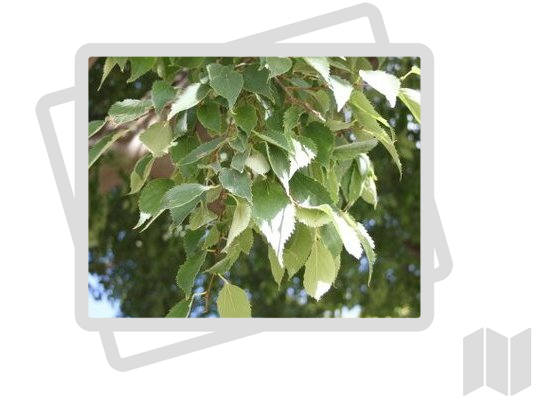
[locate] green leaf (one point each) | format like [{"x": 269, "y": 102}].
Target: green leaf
[
  {"x": 205, "y": 149},
  {"x": 212, "y": 237},
  {"x": 308, "y": 192},
  {"x": 320, "y": 271},
  {"x": 128, "y": 110},
  {"x": 180, "y": 310},
  {"x": 200, "y": 217},
  {"x": 367, "y": 244},
  {"x": 331, "y": 239},
  {"x": 245, "y": 117},
  {"x": 280, "y": 164},
  {"x": 369, "y": 191},
  {"x": 245, "y": 241},
  {"x": 304, "y": 151},
  {"x": 149, "y": 203},
  {"x": 324, "y": 140},
  {"x": 257, "y": 163},
  {"x": 341, "y": 90},
  {"x": 161, "y": 94},
  {"x": 292, "y": 116},
  {"x": 385, "y": 83},
  {"x": 370, "y": 127},
  {"x": 278, "y": 138},
  {"x": 181, "y": 195},
  {"x": 110, "y": 62},
  {"x": 209, "y": 116},
  {"x": 192, "y": 240},
  {"x": 225, "y": 81},
  {"x": 257, "y": 81},
  {"x": 157, "y": 138},
  {"x": 348, "y": 235},
  {"x": 411, "y": 99},
  {"x": 321, "y": 65},
  {"x": 240, "y": 222},
  {"x": 141, "y": 172},
  {"x": 224, "y": 265},
  {"x": 356, "y": 185},
  {"x": 278, "y": 66},
  {"x": 274, "y": 214},
  {"x": 414, "y": 70},
  {"x": 298, "y": 249},
  {"x": 233, "y": 302},
  {"x": 352, "y": 150},
  {"x": 140, "y": 66},
  {"x": 313, "y": 216},
  {"x": 359, "y": 100},
  {"x": 276, "y": 268},
  {"x": 180, "y": 213},
  {"x": 94, "y": 127},
  {"x": 102, "y": 146},
  {"x": 237, "y": 183},
  {"x": 239, "y": 159},
  {"x": 188, "y": 271},
  {"x": 188, "y": 98}
]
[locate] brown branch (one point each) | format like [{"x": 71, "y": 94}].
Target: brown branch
[{"x": 297, "y": 101}]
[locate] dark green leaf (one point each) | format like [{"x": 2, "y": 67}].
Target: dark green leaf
[
  {"x": 180, "y": 310},
  {"x": 102, "y": 146},
  {"x": 245, "y": 117},
  {"x": 140, "y": 66},
  {"x": 278, "y": 66},
  {"x": 324, "y": 140},
  {"x": 209, "y": 116},
  {"x": 352, "y": 150},
  {"x": 128, "y": 110},
  {"x": 257, "y": 81}
]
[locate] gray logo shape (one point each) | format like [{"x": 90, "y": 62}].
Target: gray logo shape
[
  {"x": 505, "y": 363},
  {"x": 225, "y": 330}
]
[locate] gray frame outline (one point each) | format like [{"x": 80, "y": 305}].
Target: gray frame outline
[{"x": 76, "y": 210}]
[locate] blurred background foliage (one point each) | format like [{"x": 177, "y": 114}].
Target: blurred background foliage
[{"x": 136, "y": 271}]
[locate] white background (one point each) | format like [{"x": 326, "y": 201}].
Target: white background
[{"x": 485, "y": 141}]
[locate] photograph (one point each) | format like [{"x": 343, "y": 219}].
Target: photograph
[{"x": 272, "y": 187}]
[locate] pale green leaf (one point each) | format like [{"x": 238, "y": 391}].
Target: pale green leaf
[
  {"x": 180, "y": 310},
  {"x": 313, "y": 216},
  {"x": 189, "y": 97},
  {"x": 212, "y": 238},
  {"x": 157, "y": 138},
  {"x": 180, "y": 213},
  {"x": 239, "y": 159},
  {"x": 352, "y": 150},
  {"x": 321, "y": 65},
  {"x": 128, "y": 110},
  {"x": 205, "y": 149},
  {"x": 140, "y": 66},
  {"x": 257, "y": 163},
  {"x": 347, "y": 234},
  {"x": 102, "y": 146},
  {"x": 297, "y": 249},
  {"x": 182, "y": 194},
  {"x": 225, "y": 81},
  {"x": 411, "y": 99},
  {"x": 245, "y": 241},
  {"x": 280, "y": 164},
  {"x": 278, "y": 66},
  {"x": 240, "y": 221},
  {"x": 245, "y": 117},
  {"x": 141, "y": 172},
  {"x": 94, "y": 127},
  {"x": 385, "y": 83},
  {"x": 274, "y": 214},
  {"x": 232, "y": 302},
  {"x": 188, "y": 271},
  {"x": 367, "y": 243},
  {"x": 224, "y": 265},
  {"x": 200, "y": 217},
  {"x": 359, "y": 100},
  {"x": 341, "y": 90},
  {"x": 320, "y": 271},
  {"x": 304, "y": 151},
  {"x": 276, "y": 268},
  {"x": 369, "y": 126},
  {"x": 369, "y": 191},
  {"x": 161, "y": 94}
]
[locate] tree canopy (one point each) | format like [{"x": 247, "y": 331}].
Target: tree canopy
[{"x": 256, "y": 186}]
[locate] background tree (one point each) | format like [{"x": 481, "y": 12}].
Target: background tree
[{"x": 139, "y": 269}]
